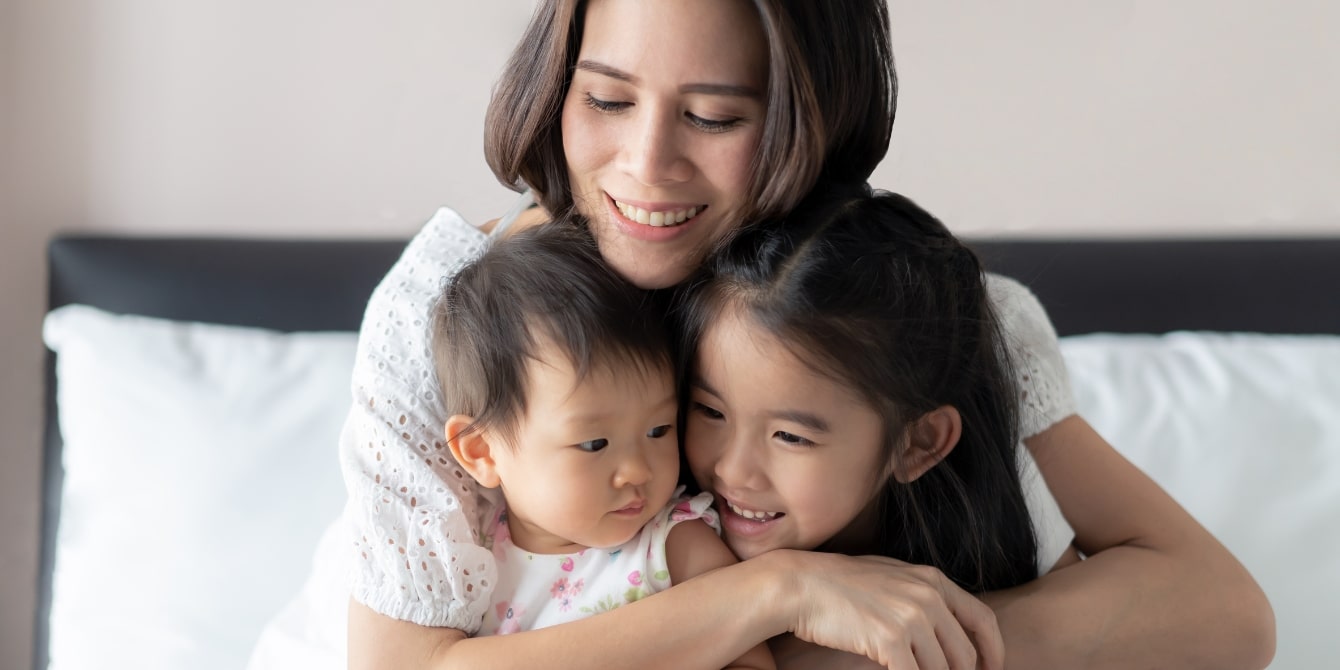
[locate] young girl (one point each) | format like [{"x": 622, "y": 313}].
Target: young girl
[
  {"x": 849, "y": 391},
  {"x": 561, "y": 393}
]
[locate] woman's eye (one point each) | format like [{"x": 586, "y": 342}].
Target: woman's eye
[
  {"x": 607, "y": 106},
  {"x": 594, "y": 445},
  {"x": 711, "y": 125},
  {"x": 707, "y": 411},
  {"x": 791, "y": 438},
  {"x": 659, "y": 431}
]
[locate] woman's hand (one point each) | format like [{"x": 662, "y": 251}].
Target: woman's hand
[{"x": 902, "y": 616}]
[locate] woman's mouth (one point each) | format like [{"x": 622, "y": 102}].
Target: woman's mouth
[{"x": 658, "y": 218}]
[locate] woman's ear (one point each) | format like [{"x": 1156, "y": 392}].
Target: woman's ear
[
  {"x": 929, "y": 440},
  {"x": 472, "y": 450}
]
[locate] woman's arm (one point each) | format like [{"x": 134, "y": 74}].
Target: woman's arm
[
  {"x": 872, "y": 606},
  {"x": 1156, "y": 589}
]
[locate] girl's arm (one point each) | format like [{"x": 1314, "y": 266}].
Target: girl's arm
[
  {"x": 1157, "y": 589},
  {"x": 692, "y": 549},
  {"x": 875, "y": 607}
]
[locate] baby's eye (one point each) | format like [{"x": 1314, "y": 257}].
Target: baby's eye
[
  {"x": 659, "y": 431},
  {"x": 594, "y": 445},
  {"x": 707, "y": 411},
  {"x": 791, "y": 438}
]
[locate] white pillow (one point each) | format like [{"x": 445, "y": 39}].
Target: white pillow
[
  {"x": 1244, "y": 431},
  {"x": 197, "y": 459}
]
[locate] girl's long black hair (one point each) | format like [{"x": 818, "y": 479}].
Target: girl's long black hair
[{"x": 872, "y": 291}]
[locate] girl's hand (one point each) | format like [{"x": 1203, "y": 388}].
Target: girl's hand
[{"x": 902, "y": 616}]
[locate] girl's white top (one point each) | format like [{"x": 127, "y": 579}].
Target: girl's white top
[{"x": 417, "y": 519}]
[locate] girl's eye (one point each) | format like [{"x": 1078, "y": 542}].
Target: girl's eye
[
  {"x": 659, "y": 431},
  {"x": 791, "y": 438},
  {"x": 711, "y": 125},
  {"x": 707, "y": 411},
  {"x": 594, "y": 445},
  {"x": 606, "y": 106}
]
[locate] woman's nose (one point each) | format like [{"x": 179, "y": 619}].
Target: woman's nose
[{"x": 653, "y": 154}]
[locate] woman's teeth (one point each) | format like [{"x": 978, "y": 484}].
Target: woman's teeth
[
  {"x": 751, "y": 514},
  {"x": 656, "y": 219}
]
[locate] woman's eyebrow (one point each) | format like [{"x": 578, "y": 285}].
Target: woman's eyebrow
[{"x": 612, "y": 72}]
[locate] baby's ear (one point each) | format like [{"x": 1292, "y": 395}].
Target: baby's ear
[
  {"x": 929, "y": 440},
  {"x": 472, "y": 450}
]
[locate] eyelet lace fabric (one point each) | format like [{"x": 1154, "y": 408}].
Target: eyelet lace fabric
[
  {"x": 1045, "y": 396},
  {"x": 414, "y": 515}
]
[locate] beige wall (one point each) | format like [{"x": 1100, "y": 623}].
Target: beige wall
[{"x": 1039, "y": 117}]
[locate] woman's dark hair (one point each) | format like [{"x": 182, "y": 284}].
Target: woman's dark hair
[
  {"x": 873, "y": 292},
  {"x": 544, "y": 283},
  {"x": 831, "y": 97}
]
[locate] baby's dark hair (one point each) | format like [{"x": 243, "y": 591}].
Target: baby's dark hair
[
  {"x": 545, "y": 283},
  {"x": 873, "y": 292}
]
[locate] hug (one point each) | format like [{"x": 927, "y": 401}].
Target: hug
[{"x": 884, "y": 431}]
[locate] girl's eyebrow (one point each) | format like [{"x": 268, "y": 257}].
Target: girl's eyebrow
[
  {"x": 701, "y": 383},
  {"x": 612, "y": 72},
  {"x": 808, "y": 419},
  {"x": 812, "y": 421}
]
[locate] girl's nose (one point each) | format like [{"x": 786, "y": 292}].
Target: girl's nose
[{"x": 737, "y": 465}]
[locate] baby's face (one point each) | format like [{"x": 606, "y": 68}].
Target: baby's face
[{"x": 591, "y": 461}]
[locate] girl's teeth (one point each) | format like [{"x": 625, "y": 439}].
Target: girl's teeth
[
  {"x": 656, "y": 219},
  {"x": 751, "y": 514}
]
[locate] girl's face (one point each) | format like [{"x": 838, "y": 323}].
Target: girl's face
[
  {"x": 660, "y": 127},
  {"x": 792, "y": 457}
]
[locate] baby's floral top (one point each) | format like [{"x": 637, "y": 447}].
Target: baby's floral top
[{"x": 539, "y": 590}]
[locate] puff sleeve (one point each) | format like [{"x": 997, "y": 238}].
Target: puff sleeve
[
  {"x": 414, "y": 516},
  {"x": 1045, "y": 396}
]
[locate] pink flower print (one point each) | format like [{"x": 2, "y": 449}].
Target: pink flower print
[
  {"x": 509, "y": 619},
  {"x": 559, "y": 589},
  {"x": 566, "y": 593},
  {"x": 635, "y": 578},
  {"x": 683, "y": 512},
  {"x": 567, "y": 564}
]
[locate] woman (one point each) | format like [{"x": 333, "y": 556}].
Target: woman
[{"x": 718, "y": 112}]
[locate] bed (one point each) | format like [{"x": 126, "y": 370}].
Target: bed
[{"x": 188, "y": 379}]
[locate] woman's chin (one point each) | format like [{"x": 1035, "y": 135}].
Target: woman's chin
[{"x": 649, "y": 273}]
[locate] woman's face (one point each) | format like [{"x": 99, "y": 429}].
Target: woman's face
[
  {"x": 660, "y": 127},
  {"x": 792, "y": 457}
]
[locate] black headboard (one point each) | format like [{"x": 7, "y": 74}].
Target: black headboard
[
  {"x": 1270, "y": 286},
  {"x": 285, "y": 285},
  {"x": 1264, "y": 285}
]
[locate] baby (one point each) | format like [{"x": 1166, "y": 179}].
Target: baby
[{"x": 558, "y": 377}]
